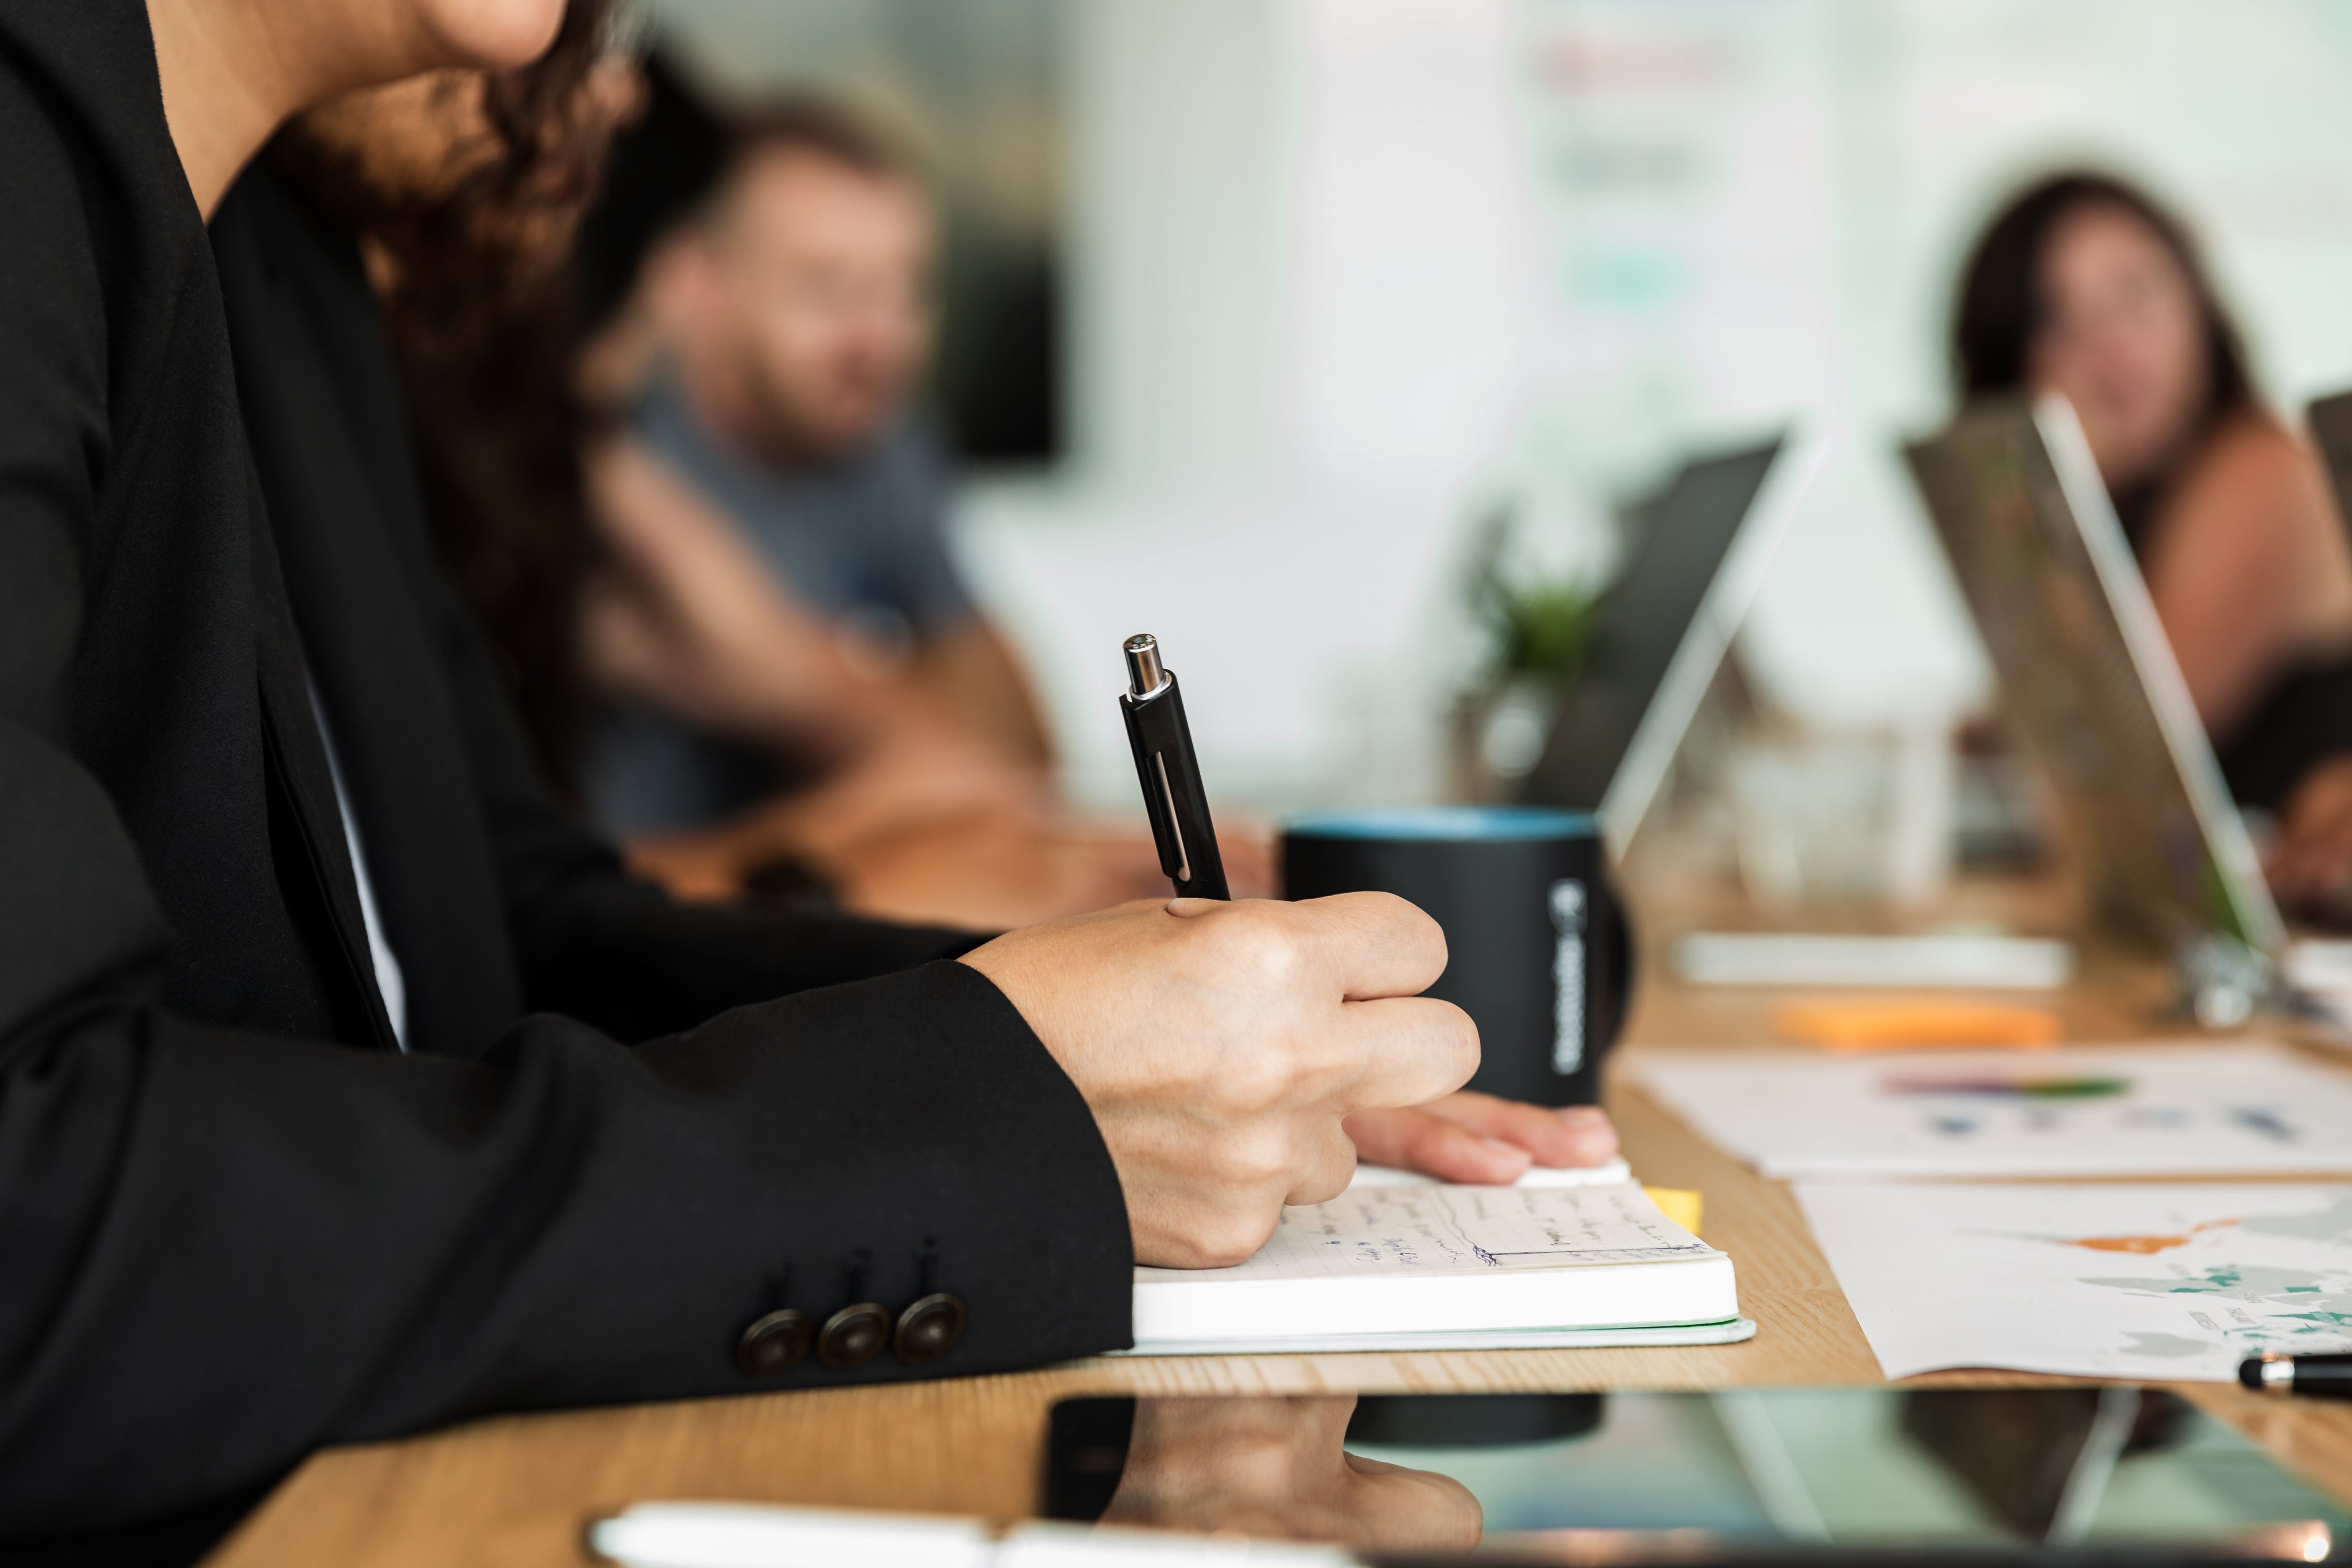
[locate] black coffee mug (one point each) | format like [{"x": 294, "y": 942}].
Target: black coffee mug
[{"x": 1539, "y": 951}]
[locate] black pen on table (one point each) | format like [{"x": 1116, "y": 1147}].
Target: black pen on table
[
  {"x": 2327, "y": 1376},
  {"x": 1169, "y": 774}
]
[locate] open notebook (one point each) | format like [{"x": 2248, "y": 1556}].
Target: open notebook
[{"x": 1452, "y": 1267}]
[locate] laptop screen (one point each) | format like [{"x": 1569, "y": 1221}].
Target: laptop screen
[
  {"x": 2089, "y": 677},
  {"x": 1680, "y": 538}
]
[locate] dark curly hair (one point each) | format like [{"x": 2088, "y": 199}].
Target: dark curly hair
[
  {"x": 478, "y": 302},
  {"x": 471, "y": 246}
]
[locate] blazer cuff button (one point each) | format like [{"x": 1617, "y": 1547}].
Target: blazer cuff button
[
  {"x": 774, "y": 1343},
  {"x": 853, "y": 1336},
  {"x": 928, "y": 1329}
]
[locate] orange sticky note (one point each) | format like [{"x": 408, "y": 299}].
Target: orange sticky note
[{"x": 1917, "y": 1025}]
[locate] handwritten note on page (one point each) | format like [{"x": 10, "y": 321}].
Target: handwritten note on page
[{"x": 1400, "y": 1231}]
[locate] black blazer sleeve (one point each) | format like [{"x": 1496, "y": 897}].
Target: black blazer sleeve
[{"x": 223, "y": 1245}]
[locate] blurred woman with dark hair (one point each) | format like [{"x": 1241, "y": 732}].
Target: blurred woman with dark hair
[{"x": 2085, "y": 287}]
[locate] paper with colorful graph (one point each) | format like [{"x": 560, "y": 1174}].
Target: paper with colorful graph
[
  {"x": 2167, "y": 1282},
  {"x": 2242, "y": 1108}
]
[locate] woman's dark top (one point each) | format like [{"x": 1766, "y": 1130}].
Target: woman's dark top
[
  {"x": 2304, "y": 717},
  {"x": 234, "y": 1222}
]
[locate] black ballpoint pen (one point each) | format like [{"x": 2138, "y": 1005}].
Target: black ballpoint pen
[
  {"x": 1169, "y": 774},
  {"x": 2329, "y": 1376}
]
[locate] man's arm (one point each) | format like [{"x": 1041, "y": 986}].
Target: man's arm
[
  {"x": 693, "y": 620},
  {"x": 964, "y": 662},
  {"x": 975, "y": 674}
]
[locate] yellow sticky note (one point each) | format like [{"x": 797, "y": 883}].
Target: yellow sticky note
[{"x": 1681, "y": 1204}]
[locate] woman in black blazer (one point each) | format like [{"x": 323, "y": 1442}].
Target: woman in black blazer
[{"x": 346, "y": 1086}]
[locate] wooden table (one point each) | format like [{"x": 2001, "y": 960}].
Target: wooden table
[{"x": 517, "y": 1491}]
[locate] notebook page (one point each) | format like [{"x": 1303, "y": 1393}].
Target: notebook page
[{"x": 1390, "y": 1232}]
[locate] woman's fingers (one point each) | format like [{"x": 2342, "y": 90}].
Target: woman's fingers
[
  {"x": 1411, "y": 1139},
  {"x": 1405, "y": 1050},
  {"x": 1373, "y": 944},
  {"x": 1478, "y": 1138},
  {"x": 1570, "y": 1135}
]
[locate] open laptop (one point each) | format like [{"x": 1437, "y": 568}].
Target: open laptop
[
  {"x": 1701, "y": 546},
  {"x": 2016, "y": 498},
  {"x": 2330, "y": 419}
]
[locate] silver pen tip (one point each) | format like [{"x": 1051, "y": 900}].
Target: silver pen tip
[{"x": 1144, "y": 674}]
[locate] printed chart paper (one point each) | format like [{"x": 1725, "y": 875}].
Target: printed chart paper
[
  {"x": 2251, "y": 1108},
  {"x": 2164, "y": 1282}
]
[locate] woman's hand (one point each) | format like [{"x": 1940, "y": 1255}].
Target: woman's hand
[
  {"x": 1466, "y": 1136},
  {"x": 2312, "y": 861},
  {"x": 1221, "y": 1045},
  {"x": 1279, "y": 1469}
]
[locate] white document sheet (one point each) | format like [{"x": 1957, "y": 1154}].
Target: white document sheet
[
  {"x": 2166, "y": 1282},
  {"x": 2321, "y": 969},
  {"x": 2246, "y": 1108}
]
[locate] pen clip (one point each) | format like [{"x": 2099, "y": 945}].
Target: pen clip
[
  {"x": 1150, "y": 735},
  {"x": 1161, "y": 808}
]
